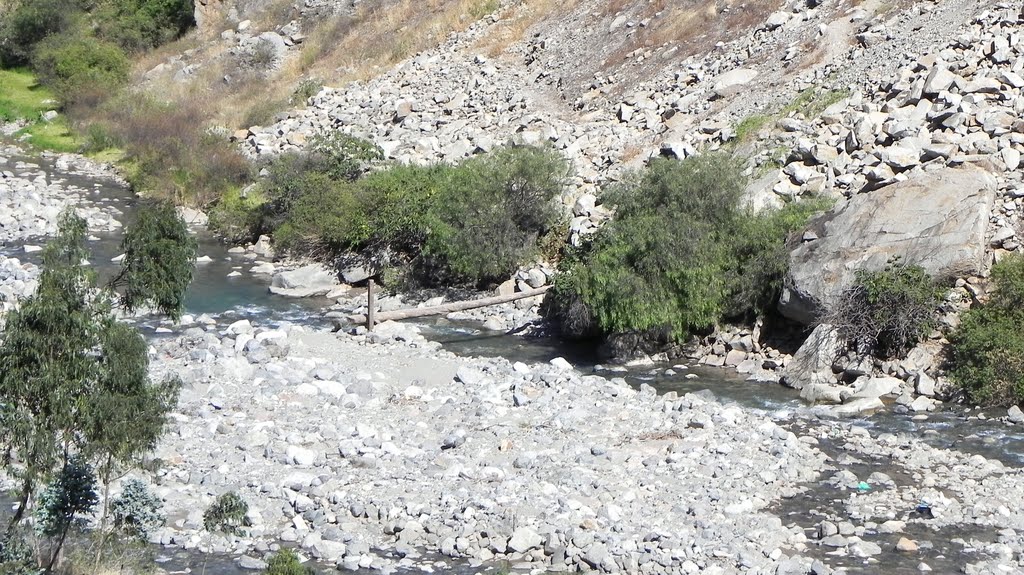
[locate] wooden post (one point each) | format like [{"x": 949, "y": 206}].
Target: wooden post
[{"x": 371, "y": 306}]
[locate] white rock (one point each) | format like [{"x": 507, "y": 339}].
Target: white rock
[{"x": 300, "y": 456}]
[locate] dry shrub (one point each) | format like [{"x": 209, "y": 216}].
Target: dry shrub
[{"x": 171, "y": 152}]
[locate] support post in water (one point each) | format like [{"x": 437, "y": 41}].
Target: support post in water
[{"x": 371, "y": 305}]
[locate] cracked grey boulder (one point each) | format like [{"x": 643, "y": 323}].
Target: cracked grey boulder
[{"x": 936, "y": 220}]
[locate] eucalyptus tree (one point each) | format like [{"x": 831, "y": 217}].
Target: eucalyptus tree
[{"x": 74, "y": 381}]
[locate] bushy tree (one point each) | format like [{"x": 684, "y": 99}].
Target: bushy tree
[
  {"x": 47, "y": 361},
  {"x": 987, "y": 349},
  {"x": 73, "y": 380},
  {"x": 70, "y": 495},
  {"x": 470, "y": 223},
  {"x": 226, "y": 514},
  {"x": 137, "y": 511},
  {"x": 491, "y": 212},
  {"x": 159, "y": 260},
  {"x": 138, "y": 25},
  {"x": 658, "y": 262},
  {"x": 680, "y": 254},
  {"x": 77, "y": 66},
  {"x": 32, "y": 21}
]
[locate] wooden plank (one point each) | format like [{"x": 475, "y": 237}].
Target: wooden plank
[{"x": 446, "y": 308}]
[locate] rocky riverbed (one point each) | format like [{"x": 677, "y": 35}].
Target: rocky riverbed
[
  {"x": 382, "y": 451},
  {"x": 369, "y": 450},
  {"x": 32, "y": 196}
]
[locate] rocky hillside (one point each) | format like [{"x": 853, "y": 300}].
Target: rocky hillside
[
  {"x": 908, "y": 113},
  {"x": 610, "y": 84}
]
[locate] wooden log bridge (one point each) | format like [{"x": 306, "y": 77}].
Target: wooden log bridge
[{"x": 379, "y": 317}]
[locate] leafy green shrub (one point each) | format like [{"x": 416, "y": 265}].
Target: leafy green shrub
[
  {"x": 305, "y": 90},
  {"x": 886, "y": 312},
  {"x": 286, "y": 562},
  {"x": 343, "y": 157},
  {"x": 30, "y": 22},
  {"x": 325, "y": 220},
  {"x": 139, "y": 25},
  {"x": 236, "y": 217},
  {"x": 226, "y": 514},
  {"x": 262, "y": 112},
  {"x": 74, "y": 66},
  {"x": 760, "y": 257},
  {"x": 491, "y": 213},
  {"x": 470, "y": 223},
  {"x": 136, "y": 511},
  {"x": 679, "y": 255},
  {"x": 16, "y": 557},
  {"x": 987, "y": 349}
]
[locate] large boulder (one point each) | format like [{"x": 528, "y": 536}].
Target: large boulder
[
  {"x": 936, "y": 220},
  {"x": 812, "y": 363},
  {"x": 304, "y": 282}
]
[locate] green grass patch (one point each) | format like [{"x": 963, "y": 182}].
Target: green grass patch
[
  {"x": 748, "y": 128},
  {"x": 812, "y": 102},
  {"x": 55, "y": 136},
  {"x": 23, "y": 98}
]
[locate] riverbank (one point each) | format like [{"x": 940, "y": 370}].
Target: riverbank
[{"x": 355, "y": 442}]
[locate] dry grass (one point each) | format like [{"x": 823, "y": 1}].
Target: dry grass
[
  {"x": 514, "y": 25},
  {"x": 338, "y": 49},
  {"x": 381, "y": 34}
]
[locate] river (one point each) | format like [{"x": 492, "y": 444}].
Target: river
[{"x": 213, "y": 292}]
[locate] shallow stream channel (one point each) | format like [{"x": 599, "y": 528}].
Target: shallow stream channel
[{"x": 849, "y": 475}]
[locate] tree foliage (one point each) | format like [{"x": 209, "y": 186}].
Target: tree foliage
[
  {"x": 987, "y": 349},
  {"x": 680, "y": 254},
  {"x": 226, "y": 514},
  {"x": 137, "y": 511},
  {"x": 79, "y": 66},
  {"x": 47, "y": 360},
  {"x": 139, "y": 25},
  {"x": 16, "y": 555},
  {"x": 79, "y": 47},
  {"x": 470, "y": 223},
  {"x": 61, "y": 504},
  {"x": 74, "y": 382},
  {"x": 30, "y": 22},
  {"x": 286, "y": 562},
  {"x": 159, "y": 260}
]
